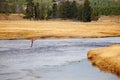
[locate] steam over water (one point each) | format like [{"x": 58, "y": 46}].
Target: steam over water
[{"x": 18, "y": 61}]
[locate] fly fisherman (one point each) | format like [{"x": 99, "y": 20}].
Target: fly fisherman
[{"x": 32, "y": 41}]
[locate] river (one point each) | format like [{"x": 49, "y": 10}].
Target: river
[{"x": 52, "y": 59}]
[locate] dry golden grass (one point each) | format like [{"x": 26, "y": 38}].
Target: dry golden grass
[
  {"x": 57, "y": 29},
  {"x": 107, "y": 59}
]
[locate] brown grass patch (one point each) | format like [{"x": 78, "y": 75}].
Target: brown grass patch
[{"x": 107, "y": 59}]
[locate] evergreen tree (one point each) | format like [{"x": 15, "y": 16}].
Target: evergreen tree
[
  {"x": 37, "y": 11},
  {"x": 66, "y": 10},
  {"x": 4, "y": 7},
  {"x": 80, "y": 13},
  {"x": 42, "y": 12},
  {"x": 49, "y": 12},
  {"x": 30, "y": 9},
  {"x": 54, "y": 9},
  {"x": 73, "y": 10},
  {"x": 60, "y": 11},
  {"x": 86, "y": 11}
]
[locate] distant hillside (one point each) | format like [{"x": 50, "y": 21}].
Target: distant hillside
[
  {"x": 100, "y": 2},
  {"x": 105, "y": 3},
  {"x": 93, "y": 2}
]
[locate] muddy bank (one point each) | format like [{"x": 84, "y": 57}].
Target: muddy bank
[{"x": 107, "y": 59}]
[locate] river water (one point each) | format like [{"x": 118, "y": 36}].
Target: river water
[{"x": 51, "y": 59}]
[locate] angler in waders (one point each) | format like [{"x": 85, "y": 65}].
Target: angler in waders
[{"x": 32, "y": 41}]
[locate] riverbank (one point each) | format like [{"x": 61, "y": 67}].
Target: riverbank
[
  {"x": 57, "y": 29},
  {"x": 107, "y": 59}
]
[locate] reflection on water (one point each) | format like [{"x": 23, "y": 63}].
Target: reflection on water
[{"x": 51, "y": 59}]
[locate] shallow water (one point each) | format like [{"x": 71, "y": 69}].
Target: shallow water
[
  {"x": 82, "y": 70},
  {"x": 51, "y": 59}
]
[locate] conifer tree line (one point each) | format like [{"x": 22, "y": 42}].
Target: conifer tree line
[{"x": 66, "y": 10}]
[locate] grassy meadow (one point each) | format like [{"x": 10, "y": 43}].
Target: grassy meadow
[{"x": 57, "y": 29}]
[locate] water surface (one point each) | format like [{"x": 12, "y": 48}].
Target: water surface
[{"x": 51, "y": 59}]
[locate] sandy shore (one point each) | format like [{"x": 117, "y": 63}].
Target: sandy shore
[
  {"x": 57, "y": 29},
  {"x": 107, "y": 59}
]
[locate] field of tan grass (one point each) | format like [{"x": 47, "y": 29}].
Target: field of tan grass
[
  {"x": 107, "y": 59},
  {"x": 56, "y": 29}
]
